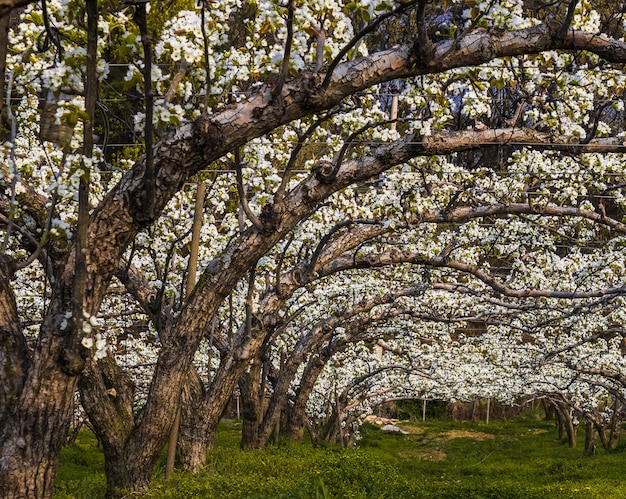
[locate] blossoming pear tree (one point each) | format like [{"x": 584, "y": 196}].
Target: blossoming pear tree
[{"x": 501, "y": 173}]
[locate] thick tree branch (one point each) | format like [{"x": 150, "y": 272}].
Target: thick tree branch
[
  {"x": 184, "y": 151},
  {"x": 395, "y": 256},
  {"x": 6, "y": 6},
  {"x": 15, "y": 356}
]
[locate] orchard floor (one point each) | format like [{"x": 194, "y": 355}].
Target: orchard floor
[{"x": 436, "y": 459}]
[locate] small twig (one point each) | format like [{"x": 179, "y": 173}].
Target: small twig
[
  {"x": 242, "y": 193},
  {"x": 15, "y": 172},
  {"x": 279, "y": 264},
  {"x": 149, "y": 178},
  {"x": 350, "y": 140},
  {"x": 320, "y": 35},
  {"x": 207, "y": 63},
  {"x": 178, "y": 77},
  {"x": 278, "y": 87},
  {"x": 302, "y": 138},
  {"x": 569, "y": 17}
]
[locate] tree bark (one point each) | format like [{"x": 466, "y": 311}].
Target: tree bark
[
  {"x": 29, "y": 458},
  {"x": 252, "y": 405},
  {"x": 278, "y": 404},
  {"x": 590, "y": 438},
  {"x": 566, "y": 424},
  {"x": 124, "y": 473},
  {"x": 192, "y": 446},
  {"x": 37, "y": 393},
  {"x": 616, "y": 424},
  {"x": 15, "y": 356},
  {"x": 23, "y": 472},
  {"x": 35, "y": 428},
  {"x": 296, "y": 413}
]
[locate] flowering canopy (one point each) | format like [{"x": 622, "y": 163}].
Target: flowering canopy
[{"x": 477, "y": 163}]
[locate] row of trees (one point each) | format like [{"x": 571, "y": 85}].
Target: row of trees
[{"x": 403, "y": 199}]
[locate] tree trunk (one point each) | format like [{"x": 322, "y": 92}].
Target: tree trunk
[
  {"x": 15, "y": 356},
  {"x": 278, "y": 403},
  {"x": 566, "y": 424},
  {"x": 34, "y": 434},
  {"x": 615, "y": 426},
  {"x": 192, "y": 444},
  {"x": 36, "y": 398},
  {"x": 294, "y": 428},
  {"x": 202, "y": 421},
  {"x": 126, "y": 473},
  {"x": 132, "y": 442},
  {"x": 614, "y": 436},
  {"x": 548, "y": 409},
  {"x": 252, "y": 406},
  {"x": 35, "y": 429},
  {"x": 590, "y": 438},
  {"x": 601, "y": 432},
  {"x": 558, "y": 418},
  {"x": 296, "y": 414}
]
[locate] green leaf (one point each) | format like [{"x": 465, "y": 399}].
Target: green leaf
[
  {"x": 498, "y": 83},
  {"x": 71, "y": 118}
]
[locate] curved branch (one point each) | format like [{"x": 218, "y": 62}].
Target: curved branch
[
  {"x": 366, "y": 30},
  {"x": 242, "y": 193},
  {"x": 278, "y": 87},
  {"x": 395, "y": 256}
]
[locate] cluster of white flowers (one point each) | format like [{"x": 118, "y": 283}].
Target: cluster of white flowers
[
  {"x": 458, "y": 339},
  {"x": 93, "y": 338}
]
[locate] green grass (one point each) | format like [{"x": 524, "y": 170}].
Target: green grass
[
  {"x": 438, "y": 459},
  {"x": 81, "y": 469}
]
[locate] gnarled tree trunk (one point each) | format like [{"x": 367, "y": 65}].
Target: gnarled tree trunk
[
  {"x": 34, "y": 433},
  {"x": 192, "y": 446},
  {"x": 252, "y": 393},
  {"x": 296, "y": 414},
  {"x": 36, "y": 399}
]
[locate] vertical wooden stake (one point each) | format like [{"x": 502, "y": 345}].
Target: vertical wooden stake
[
  {"x": 393, "y": 114},
  {"x": 191, "y": 282}
]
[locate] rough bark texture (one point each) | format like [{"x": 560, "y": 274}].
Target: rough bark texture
[
  {"x": 252, "y": 405},
  {"x": 14, "y": 353},
  {"x": 125, "y": 474},
  {"x": 191, "y": 449},
  {"x": 36, "y": 428},
  {"x": 296, "y": 414},
  {"x": 40, "y": 399}
]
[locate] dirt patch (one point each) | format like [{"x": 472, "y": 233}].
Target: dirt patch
[
  {"x": 380, "y": 421},
  {"x": 537, "y": 431},
  {"x": 475, "y": 435},
  {"x": 413, "y": 430},
  {"x": 423, "y": 454}
]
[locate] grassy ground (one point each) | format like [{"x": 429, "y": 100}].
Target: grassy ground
[{"x": 437, "y": 459}]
